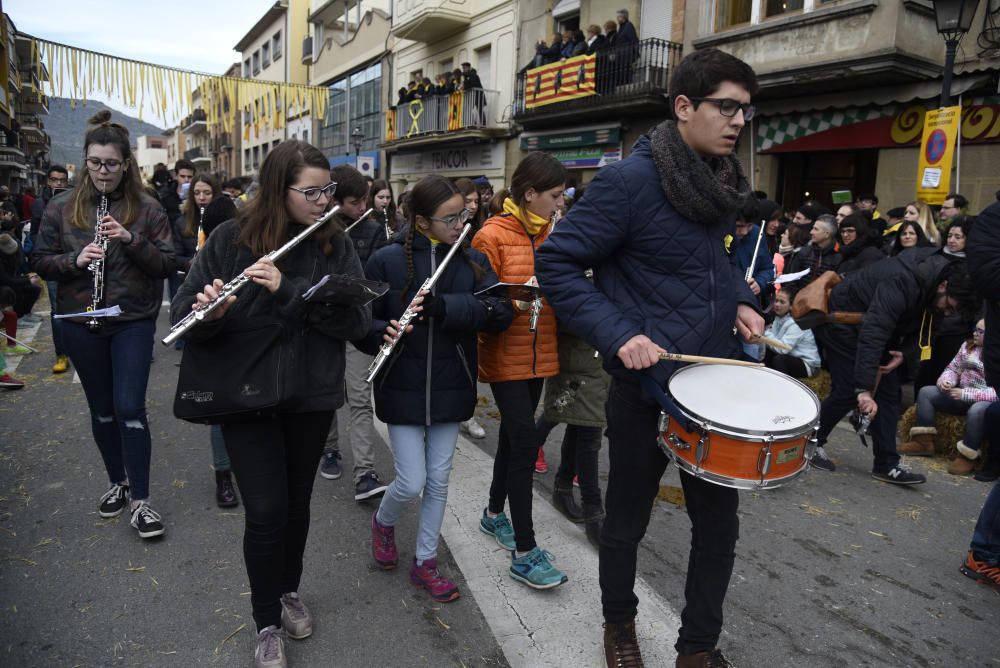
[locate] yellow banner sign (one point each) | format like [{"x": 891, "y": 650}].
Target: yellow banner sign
[
  {"x": 568, "y": 79},
  {"x": 937, "y": 150}
]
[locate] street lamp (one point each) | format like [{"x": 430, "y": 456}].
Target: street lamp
[
  {"x": 358, "y": 139},
  {"x": 954, "y": 18}
]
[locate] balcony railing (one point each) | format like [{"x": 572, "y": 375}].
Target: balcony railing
[
  {"x": 196, "y": 155},
  {"x": 195, "y": 122},
  {"x": 620, "y": 73},
  {"x": 438, "y": 114}
]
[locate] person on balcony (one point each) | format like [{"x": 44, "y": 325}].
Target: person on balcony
[
  {"x": 546, "y": 54},
  {"x": 579, "y": 44},
  {"x": 472, "y": 82},
  {"x": 595, "y": 40}
]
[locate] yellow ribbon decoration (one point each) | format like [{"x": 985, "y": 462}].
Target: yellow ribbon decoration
[{"x": 416, "y": 109}]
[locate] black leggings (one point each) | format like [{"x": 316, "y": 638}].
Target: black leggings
[
  {"x": 517, "y": 449},
  {"x": 275, "y": 465},
  {"x": 786, "y": 364}
]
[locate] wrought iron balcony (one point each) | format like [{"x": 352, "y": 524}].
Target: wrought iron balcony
[{"x": 439, "y": 114}]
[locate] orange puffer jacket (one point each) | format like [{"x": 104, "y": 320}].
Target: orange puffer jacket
[{"x": 515, "y": 353}]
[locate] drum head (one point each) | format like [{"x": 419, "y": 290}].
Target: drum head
[{"x": 748, "y": 400}]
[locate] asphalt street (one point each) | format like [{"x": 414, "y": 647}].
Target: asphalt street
[{"x": 836, "y": 569}]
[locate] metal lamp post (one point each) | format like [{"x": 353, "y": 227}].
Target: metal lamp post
[
  {"x": 954, "y": 18},
  {"x": 358, "y": 140}
]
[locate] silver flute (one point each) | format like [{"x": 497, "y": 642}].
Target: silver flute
[
  {"x": 385, "y": 351},
  {"x": 96, "y": 265},
  {"x": 756, "y": 249},
  {"x": 233, "y": 286}
]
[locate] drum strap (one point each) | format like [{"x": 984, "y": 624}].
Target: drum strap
[{"x": 669, "y": 407}]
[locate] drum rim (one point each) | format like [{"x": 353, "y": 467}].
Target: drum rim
[
  {"x": 748, "y": 484},
  {"x": 739, "y": 432}
]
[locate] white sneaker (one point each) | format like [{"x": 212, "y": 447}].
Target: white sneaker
[
  {"x": 473, "y": 428},
  {"x": 270, "y": 652}
]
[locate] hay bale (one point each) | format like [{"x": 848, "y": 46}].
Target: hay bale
[
  {"x": 950, "y": 430},
  {"x": 820, "y": 384}
]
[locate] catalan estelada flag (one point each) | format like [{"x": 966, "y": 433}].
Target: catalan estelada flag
[
  {"x": 568, "y": 79},
  {"x": 455, "y": 104}
]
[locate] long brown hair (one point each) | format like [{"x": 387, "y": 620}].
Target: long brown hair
[
  {"x": 538, "y": 171},
  {"x": 378, "y": 185},
  {"x": 105, "y": 133},
  {"x": 192, "y": 215},
  {"x": 264, "y": 221}
]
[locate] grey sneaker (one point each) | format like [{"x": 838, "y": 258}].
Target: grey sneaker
[
  {"x": 270, "y": 651},
  {"x": 295, "y": 617}
]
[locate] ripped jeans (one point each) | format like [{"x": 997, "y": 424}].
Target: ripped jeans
[{"x": 113, "y": 365}]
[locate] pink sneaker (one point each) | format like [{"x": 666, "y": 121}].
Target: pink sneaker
[
  {"x": 384, "y": 545},
  {"x": 429, "y": 577}
]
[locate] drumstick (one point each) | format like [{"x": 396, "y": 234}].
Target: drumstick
[
  {"x": 774, "y": 343},
  {"x": 677, "y": 357}
]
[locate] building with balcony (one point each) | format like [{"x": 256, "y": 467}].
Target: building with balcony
[
  {"x": 845, "y": 85},
  {"x": 466, "y": 133},
  {"x": 266, "y": 55},
  {"x": 175, "y": 145},
  {"x": 197, "y": 140},
  {"x": 589, "y": 110},
  {"x": 224, "y": 144},
  {"x": 24, "y": 144},
  {"x": 346, "y": 51}
]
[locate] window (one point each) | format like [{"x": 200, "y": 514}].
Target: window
[
  {"x": 446, "y": 66},
  {"x": 355, "y": 101},
  {"x": 256, "y": 62},
  {"x": 275, "y": 143},
  {"x": 484, "y": 57},
  {"x": 305, "y": 136},
  {"x": 776, "y": 7},
  {"x": 265, "y": 54},
  {"x": 730, "y": 13},
  {"x": 276, "y": 46},
  {"x": 246, "y": 68},
  {"x": 256, "y": 157},
  {"x": 246, "y": 159},
  {"x": 263, "y": 150}
]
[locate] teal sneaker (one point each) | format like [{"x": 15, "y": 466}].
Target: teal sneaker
[
  {"x": 534, "y": 570},
  {"x": 499, "y": 527}
]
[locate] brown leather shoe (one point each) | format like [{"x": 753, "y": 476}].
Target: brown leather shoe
[
  {"x": 621, "y": 647},
  {"x": 711, "y": 659}
]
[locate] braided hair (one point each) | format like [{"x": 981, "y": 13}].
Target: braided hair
[{"x": 425, "y": 198}]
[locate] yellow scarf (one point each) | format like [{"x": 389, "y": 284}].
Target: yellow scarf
[
  {"x": 532, "y": 221},
  {"x": 427, "y": 233}
]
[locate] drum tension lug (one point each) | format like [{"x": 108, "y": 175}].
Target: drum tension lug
[{"x": 764, "y": 459}]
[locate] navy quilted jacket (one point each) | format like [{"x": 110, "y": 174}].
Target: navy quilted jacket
[{"x": 656, "y": 272}]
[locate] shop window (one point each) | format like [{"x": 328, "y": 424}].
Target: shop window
[
  {"x": 777, "y": 7},
  {"x": 729, "y": 13}
]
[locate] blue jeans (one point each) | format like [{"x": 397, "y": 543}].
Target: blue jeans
[
  {"x": 57, "y": 325},
  {"x": 931, "y": 399},
  {"x": 422, "y": 457},
  {"x": 220, "y": 458},
  {"x": 986, "y": 536},
  {"x": 842, "y": 400},
  {"x": 113, "y": 365}
]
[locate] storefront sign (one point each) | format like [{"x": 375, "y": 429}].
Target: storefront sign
[
  {"x": 565, "y": 80},
  {"x": 555, "y": 140},
  {"x": 937, "y": 149},
  {"x": 463, "y": 159},
  {"x": 588, "y": 156}
]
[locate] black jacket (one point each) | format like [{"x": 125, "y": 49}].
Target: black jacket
[
  {"x": 817, "y": 260},
  {"x": 855, "y": 257},
  {"x": 321, "y": 329},
  {"x": 983, "y": 255},
  {"x": 367, "y": 236},
  {"x": 893, "y": 295},
  {"x": 431, "y": 376},
  {"x": 599, "y": 44}
]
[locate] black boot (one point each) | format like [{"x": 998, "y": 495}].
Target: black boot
[
  {"x": 593, "y": 516},
  {"x": 621, "y": 647},
  {"x": 225, "y": 493},
  {"x": 562, "y": 499}
]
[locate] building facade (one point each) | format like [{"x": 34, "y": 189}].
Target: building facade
[
  {"x": 589, "y": 110},
  {"x": 845, "y": 85},
  {"x": 149, "y": 151},
  {"x": 24, "y": 144}
]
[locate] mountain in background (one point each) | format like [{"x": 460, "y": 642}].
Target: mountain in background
[{"x": 67, "y": 126}]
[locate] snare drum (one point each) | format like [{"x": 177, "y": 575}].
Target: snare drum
[{"x": 755, "y": 428}]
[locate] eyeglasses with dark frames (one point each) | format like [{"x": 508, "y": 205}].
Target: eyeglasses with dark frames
[
  {"x": 112, "y": 165},
  {"x": 313, "y": 194},
  {"x": 728, "y": 106}
]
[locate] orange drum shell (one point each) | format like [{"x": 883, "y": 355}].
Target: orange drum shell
[{"x": 739, "y": 460}]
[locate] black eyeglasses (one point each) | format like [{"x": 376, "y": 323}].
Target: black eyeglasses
[
  {"x": 460, "y": 218},
  {"x": 728, "y": 106},
  {"x": 313, "y": 194},
  {"x": 112, "y": 165}
]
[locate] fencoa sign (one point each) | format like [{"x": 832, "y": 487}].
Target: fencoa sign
[{"x": 475, "y": 158}]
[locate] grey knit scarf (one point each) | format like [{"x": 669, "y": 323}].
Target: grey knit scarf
[{"x": 702, "y": 190}]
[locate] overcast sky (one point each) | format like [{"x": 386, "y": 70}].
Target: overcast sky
[{"x": 195, "y": 36}]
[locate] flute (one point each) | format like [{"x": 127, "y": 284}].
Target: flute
[
  {"x": 96, "y": 266},
  {"x": 233, "y": 286},
  {"x": 385, "y": 351},
  {"x": 756, "y": 248}
]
